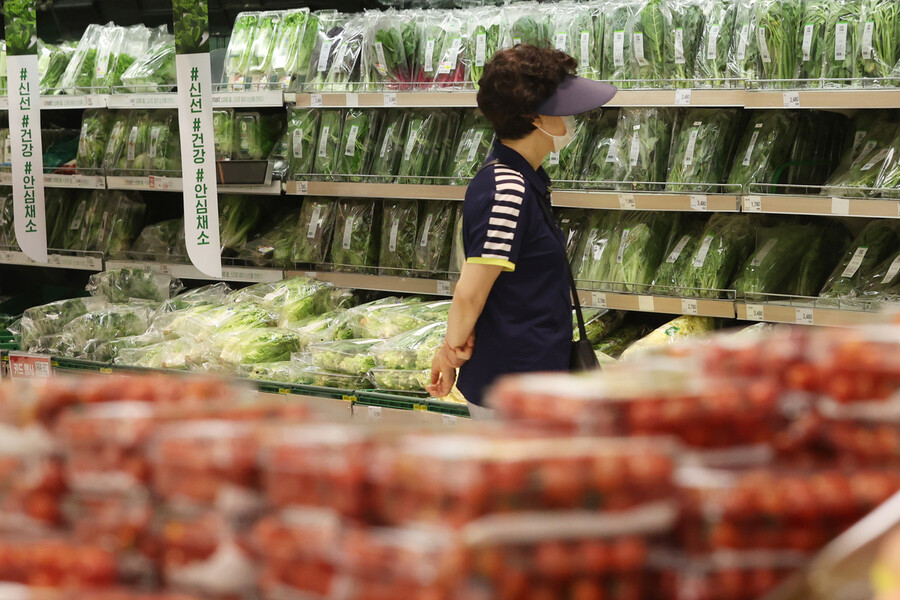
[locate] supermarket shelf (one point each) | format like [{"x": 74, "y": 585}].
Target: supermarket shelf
[
  {"x": 381, "y": 283},
  {"x": 780, "y": 313},
  {"x": 151, "y": 182},
  {"x": 821, "y": 205},
  {"x": 248, "y": 99},
  {"x": 448, "y": 99},
  {"x": 659, "y": 304},
  {"x": 146, "y": 100},
  {"x": 78, "y": 101},
  {"x": 376, "y": 190},
  {"x": 415, "y": 403},
  {"x": 188, "y": 271},
  {"x": 62, "y": 261},
  {"x": 647, "y": 201},
  {"x": 825, "y": 99},
  {"x": 273, "y": 189},
  {"x": 56, "y": 180},
  {"x": 680, "y": 97}
]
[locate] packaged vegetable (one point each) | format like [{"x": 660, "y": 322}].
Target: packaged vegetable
[
  {"x": 314, "y": 228},
  {"x": 344, "y": 356},
  {"x": 268, "y": 344},
  {"x": 592, "y": 256},
  {"x": 724, "y": 246},
  {"x": 412, "y": 350},
  {"x": 323, "y": 300},
  {"x": 614, "y": 345},
  {"x": 424, "y": 140},
  {"x": 208, "y": 295},
  {"x": 682, "y": 41},
  {"x": 566, "y": 165},
  {"x": 385, "y": 63},
  {"x": 717, "y": 35},
  {"x": 674, "y": 331},
  {"x": 742, "y": 57},
  {"x": 357, "y": 143},
  {"x": 107, "y": 352},
  {"x": 764, "y": 147},
  {"x": 159, "y": 239},
  {"x": 642, "y": 156},
  {"x": 400, "y": 381},
  {"x": 336, "y": 53},
  {"x": 49, "y": 319},
  {"x": 287, "y": 47},
  {"x": 811, "y": 43},
  {"x": 873, "y": 245},
  {"x": 601, "y": 148},
  {"x": 818, "y": 259},
  {"x": 843, "y": 51},
  {"x": 435, "y": 238},
  {"x": 56, "y": 67},
  {"x": 616, "y": 42},
  {"x": 223, "y": 130},
  {"x": 109, "y": 45},
  {"x": 105, "y": 324},
  {"x": 669, "y": 280},
  {"x": 316, "y": 329},
  {"x": 303, "y": 130},
  {"x": 817, "y": 150},
  {"x": 93, "y": 140},
  {"x": 79, "y": 73},
  {"x": 155, "y": 71},
  {"x": 238, "y": 216},
  {"x": 329, "y": 145},
  {"x": 135, "y": 44},
  {"x": 259, "y": 59},
  {"x": 451, "y": 58},
  {"x": 881, "y": 56},
  {"x": 527, "y": 24},
  {"x": 318, "y": 377},
  {"x": 237, "y": 55},
  {"x": 383, "y": 319},
  {"x": 636, "y": 249},
  {"x": 476, "y": 137},
  {"x": 277, "y": 294},
  {"x": 255, "y": 134},
  {"x": 122, "y": 285},
  {"x": 284, "y": 371},
  {"x": 777, "y": 24},
  {"x": 390, "y": 146},
  {"x": 598, "y": 324},
  {"x": 274, "y": 247},
  {"x": 701, "y": 150},
  {"x": 399, "y": 234},
  {"x": 770, "y": 267},
  {"x": 355, "y": 242},
  {"x": 883, "y": 282},
  {"x": 484, "y": 40},
  {"x": 648, "y": 28}
]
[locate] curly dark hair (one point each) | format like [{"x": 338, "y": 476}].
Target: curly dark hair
[{"x": 516, "y": 82}]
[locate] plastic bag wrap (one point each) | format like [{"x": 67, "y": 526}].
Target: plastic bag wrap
[
  {"x": 238, "y": 216},
  {"x": 476, "y": 137},
  {"x": 874, "y": 244},
  {"x": 358, "y": 139},
  {"x": 638, "y": 244},
  {"x": 668, "y": 280},
  {"x": 385, "y": 63},
  {"x": 590, "y": 264},
  {"x": 484, "y": 40},
  {"x": 642, "y": 156},
  {"x": 764, "y": 148},
  {"x": 79, "y": 73},
  {"x": 778, "y": 28},
  {"x": 319, "y": 377},
  {"x": 328, "y": 146},
  {"x": 108, "y": 351},
  {"x": 601, "y": 149},
  {"x": 269, "y": 344},
  {"x": 155, "y": 71},
  {"x": 122, "y": 285},
  {"x": 237, "y": 55},
  {"x": 317, "y": 329},
  {"x": 412, "y": 350},
  {"x": 880, "y": 52},
  {"x": 883, "y": 283},
  {"x": 159, "y": 239},
  {"x": 716, "y": 38},
  {"x": 425, "y": 137},
  {"x": 399, "y": 233},
  {"x": 451, "y": 50},
  {"x": 303, "y": 130},
  {"x": 383, "y": 319},
  {"x": 336, "y": 52},
  {"x": 121, "y": 320},
  {"x": 725, "y": 245},
  {"x": 287, "y": 47},
  {"x": 277, "y": 294},
  {"x": 843, "y": 28},
  {"x": 811, "y": 42},
  {"x": 577, "y": 30},
  {"x": 314, "y": 229},
  {"x": 213, "y": 294},
  {"x": 50, "y": 319},
  {"x": 435, "y": 238},
  {"x": 389, "y": 149},
  {"x": 682, "y": 41},
  {"x": 875, "y": 153},
  {"x": 742, "y": 56},
  {"x": 135, "y": 44},
  {"x": 648, "y": 29},
  {"x": 285, "y": 371},
  {"x": 617, "y": 42},
  {"x": 232, "y": 318},
  {"x": 352, "y": 357},
  {"x": 223, "y": 130},
  {"x": 93, "y": 140},
  {"x": 818, "y": 259},
  {"x": 56, "y": 67},
  {"x": 701, "y": 150},
  {"x": 323, "y": 300},
  {"x": 109, "y": 45},
  {"x": 355, "y": 241}
]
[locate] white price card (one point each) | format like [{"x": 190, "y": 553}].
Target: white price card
[
  {"x": 689, "y": 306},
  {"x": 752, "y": 204},
  {"x": 443, "y": 288},
  {"x": 699, "y": 202},
  {"x": 311, "y": 275},
  {"x": 756, "y": 312},
  {"x": 351, "y": 100},
  {"x": 374, "y": 413},
  {"x": 805, "y": 316},
  {"x": 390, "y": 100},
  {"x": 315, "y": 100},
  {"x": 646, "y": 303},
  {"x": 683, "y": 97},
  {"x": 449, "y": 420},
  {"x": 626, "y": 202},
  {"x": 840, "y": 206},
  {"x": 302, "y": 187},
  {"x": 598, "y": 299},
  {"x": 791, "y": 99}
]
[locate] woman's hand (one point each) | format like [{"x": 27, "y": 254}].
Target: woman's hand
[{"x": 444, "y": 366}]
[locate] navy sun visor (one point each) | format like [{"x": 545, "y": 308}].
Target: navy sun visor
[{"x": 576, "y": 95}]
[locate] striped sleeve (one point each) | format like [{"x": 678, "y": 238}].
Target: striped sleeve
[{"x": 496, "y": 222}]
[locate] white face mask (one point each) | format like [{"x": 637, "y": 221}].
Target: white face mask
[{"x": 561, "y": 141}]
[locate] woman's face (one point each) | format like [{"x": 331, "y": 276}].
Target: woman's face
[{"x": 552, "y": 125}]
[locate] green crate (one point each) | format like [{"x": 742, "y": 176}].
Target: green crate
[{"x": 410, "y": 402}]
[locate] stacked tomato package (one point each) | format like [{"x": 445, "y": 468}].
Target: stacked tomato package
[
  {"x": 31, "y": 481},
  {"x": 206, "y": 479}
]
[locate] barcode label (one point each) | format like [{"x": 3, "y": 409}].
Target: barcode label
[
  {"x": 348, "y": 233},
  {"x": 323, "y": 142},
  {"x": 700, "y": 257},
  {"x": 313, "y": 228},
  {"x": 761, "y": 255},
  {"x": 679, "y": 248},
  {"x": 619, "y": 49},
  {"x": 639, "y": 49},
  {"x": 298, "y": 143},
  {"x": 350, "y": 149},
  {"x": 395, "y": 227},
  {"x": 808, "y": 32},
  {"x": 692, "y": 145},
  {"x": 855, "y": 262},
  {"x": 712, "y": 44}
]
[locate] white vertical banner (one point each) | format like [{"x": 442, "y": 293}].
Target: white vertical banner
[
  {"x": 27, "y": 159},
  {"x": 198, "y": 162}
]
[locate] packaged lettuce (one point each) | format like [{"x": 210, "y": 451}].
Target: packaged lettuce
[
  {"x": 180, "y": 354},
  {"x": 883, "y": 283},
  {"x": 79, "y": 73},
  {"x": 878, "y": 240},
  {"x": 163, "y": 151},
  {"x": 401, "y": 381},
  {"x": 577, "y": 30},
  {"x": 93, "y": 140},
  {"x": 223, "y": 129},
  {"x": 591, "y": 262},
  {"x": 355, "y": 241},
  {"x": 262, "y": 345},
  {"x": 725, "y": 245},
  {"x": 286, "y": 47},
  {"x": 274, "y": 247},
  {"x": 319, "y": 377},
  {"x": 770, "y": 268},
  {"x": 314, "y": 228},
  {"x": 383, "y": 319},
  {"x": 642, "y": 155},
  {"x": 284, "y": 371},
  {"x": 598, "y": 323},
  {"x": 637, "y": 246},
  {"x": 276, "y": 294},
  {"x": 389, "y": 149},
  {"x": 476, "y": 137},
  {"x": 315, "y": 329},
  {"x": 230, "y": 318},
  {"x": 412, "y": 350},
  {"x": 384, "y": 59},
  {"x": 325, "y": 299},
  {"x": 399, "y": 231},
  {"x": 674, "y": 331},
  {"x": 259, "y": 59},
  {"x": 50, "y": 319},
  {"x": 155, "y": 70},
  {"x": 567, "y": 165},
  {"x": 255, "y": 134},
  {"x": 328, "y": 146},
  {"x": 818, "y": 259},
  {"x": 344, "y": 356},
  {"x": 303, "y": 130},
  {"x": 120, "y": 320},
  {"x": 108, "y": 351},
  {"x": 60, "y": 208},
  {"x": 118, "y": 140},
  {"x": 122, "y": 285},
  {"x": 716, "y": 36},
  {"x": 527, "y": 24},
  {"x": 601, "y": 149},
  {"x": 668, "y": 280},
  {"x": 237, "y": 55},
  {"x": 121, "y": 223},
  {"x": 135, "y": 45},
  {"x": 435, "y": 238},
  {"x": 357, "y": 143},
  {"x": 451, "y": 56},
  {"x": 701, "y": 149},
  {"x": 56, "y": 67},
  {"x": 764, "y": 148},
  {"x": 207, "y": 295},
  {"x": 158, "y": 240},
  {"x": 431, "y": 312},
  {"x": 329, "y": 49},
  {"x": 238, "y": 216}
]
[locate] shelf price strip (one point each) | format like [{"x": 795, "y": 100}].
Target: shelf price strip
[
  {"x": 198, "y": 159},
  {"x": 30, "y": 220}
]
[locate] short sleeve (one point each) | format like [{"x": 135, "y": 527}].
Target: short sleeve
[{"x": 493, "y": 220}]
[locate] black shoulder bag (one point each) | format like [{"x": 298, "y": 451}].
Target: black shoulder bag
[{"x": 582, "y": 356}]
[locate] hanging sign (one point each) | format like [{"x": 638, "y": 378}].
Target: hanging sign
[
  {"x": 25, "y": 128},
  {"x": 195, "y": 123}
]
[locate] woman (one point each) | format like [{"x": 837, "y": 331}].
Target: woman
[{"x": 512, "y": 309}]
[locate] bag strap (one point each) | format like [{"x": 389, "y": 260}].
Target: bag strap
[{"x": 554, "y": 226}]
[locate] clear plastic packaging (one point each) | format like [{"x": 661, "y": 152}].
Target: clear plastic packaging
[
  {"x": 287, "y": 46},
  {"x": 701, "y": 150},
  {"x": 716, "y": 38},
  {"x": 397, "y": 380},
  {"x": 268, "y": 344},
  {"x": 413, "y": 350},
  {"x": 155, "y": 71},
  {"x": 50, "y": 319},
  {"x": 115, "y": 522},
  {"x": 106, "y": 324},
  {"x": 353, "y": 357},
  {"x": 303, "y": 131},
  {"x": 475, "y": 140},
  {"x": 328, "y": 146},
  {"x": 259, "y": 59},
  {"x": 642, "y": 155},
  {"x": 357, "y": 146},
  {"x": 435, "y": 238},
  {"x": 400, "y": 220},
  {"x": 255, "y": 134},
  {"x": 93, "y": 140},
  {"x": 389, "y": 150},
  {"x": 383, "y": 319},
  {"x": 319, "y": 377},
  {"x": 79, "y": 73},
  {"x": 223, "y": 130},
  {"x": 873, "y": 244},
  {"x": 237, "y": 55},
  {"x": 121, "y": 285},
  {"x": 355, "y": 243},
  {"x": 385, "y": 64}
]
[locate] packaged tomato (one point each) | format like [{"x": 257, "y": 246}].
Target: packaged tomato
[
  {"x": 208, "y": 463},
  {"x": 115, "y": 521},
  {"x": 862, "y": 433},
  {"x": 322, "y": 465},
  {"x": 56, "y": 563},
  {"x": 126, "y": 594},
  {"x": 733, "y": 575},
  {"x": 31, "y": 480},
  {"x": 772, "y": 352},
  {"x": 105, "y": 445},
  {"x": 454, "y": 479}
]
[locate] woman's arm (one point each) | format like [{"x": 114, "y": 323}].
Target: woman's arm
[{"x": 472, "y": 290}]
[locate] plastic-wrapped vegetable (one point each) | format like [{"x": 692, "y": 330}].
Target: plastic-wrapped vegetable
[
  {"x": 527, "y": 24},
  {"x": 876, "y": 151},
  {"x": 274, "y": 247},
  {"x": 238, "y": 215},
  {"x": 764, "y": 148},
  {"x": 223, "y": 129},
  {"x": 642, "y": 155},
  {"x": 259, "y": 59},
  {"x": 269, "y": 344},
  {"x": 676, "y": 259},
  {"x": 285, "y": 51},
  {"x": 811, "y": 46},
  {"x": 155, "y": 71},
  {"x": 744, "y": 46},
  {"x": 575, "y": 32},
  {"x": 726, "y": 242},
  {"x": 475, "y": 139},
  {"x": 843, "y": 28},
  {"x": 701, "y": 150},
  {"x": 314, "y": 227},
  {"x": 716, "y": 38},
  {"x": 617, "y": 42},
  {"x": 385, "y": 63},
  {"x": 335, "y": 56},
  {"x": 79, "y": 72},
  {"x": 591, "y": 258},
  {"x": 318, "y": 377},
  {"x": 237, "y": 56},
  {"x": 226, "y": 319},
  {"x": 285, "y": 371},
  {"x": 400, "y": 380},
  {"x": 358, "y": 139},
  {"x": 105, "y": 221},
  {"x": 325, "y": 299},
  {"x": 818, "y": 259},
  {"x": 883, "y": 283},
  {"x": 383, "y": 319},
  {"x": 426, "y": 133},
  {"x": 777, "y": 33},
  {"x": 451, "y": 54},
  {"x": 648, "y": 30},
  {"x": 303, "y": 130},
  {"x": 108, "y": 47},
  {"x": 93, "y": 139},
  {"x": 399, "y": 231},
  {"x": 637, "y": 247},
  {"x": 122, "y": 285},
  {"x": 484, "y": 40},
  {"x": 50, "y": 319},
  {"x": 255, "y": 134},
  {"x": 344, "y": 356},
  {"x": 317, "y": 329},
  {"x": 328, "y": 146},
  {"x": 879, "y": 48},
  {"x": 109, "y": 351},
  {"x": 277, "y": 294},
  {"x": 134, "y": 45},
  {"x": 435, "y": 238},
  {"x": 159, "y": 240},
  {"x": 674, "y": 331},
  {"x": 56, "y": 67},
  {"x": 355, "y": 243},
  {"x": 60, "y": 209},
  {"x": 601, "y": 149},
  {"x": 412, "y": 350},
  {"x": 682, "y": 41},
  {"x": 105, "y": 324},
  {"x": 567, "y": 165},
  {"x": 597, "y": 323},
  {"x": 615, "y": 344},
  {"x": 874, "y": 244},
  {"x": 770, "y": 267},
  {"x": 817, "y": 150},
  {"x": 207, "y": 295},
  {"x": 389, "y": 149}
]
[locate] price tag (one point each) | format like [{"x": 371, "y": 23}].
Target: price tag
[
  {"x": 804, "y": 316},
  {"x": 791, "y": 99},
  {"x": 689, "y": 306},
  {"x": 752, "y": 204},
  {"x": 28, "y": 366},
  {"x": 311, "y": 274},
  {"x": 449, "y": 420},
  {"x": 390, "y": 100},
  {"x": 756, "y": 312},
  {"x": 315, "y": 100},
  {"x": 699, "y": 202},
  {"x": 374, "y": 413},
  {"x": 598, "y": 299},
  {"x": 302, "y": 187},
  {"x": 626, "y": 202},
  {"x": 443, "y": 288},
  {"x": 284, "y": 391},
  {"x": 420, "y": 407},
  {"x": 351, "y": 100},
  {"x": 646, "y": 303},
  {"x": 683, "y": 97},
  {"x": 840, "y": 206}
]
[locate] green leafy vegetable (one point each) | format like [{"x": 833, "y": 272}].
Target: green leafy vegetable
[
  {"x": 642, "y": 155},
  {"x": 155, "y": 71},
  {"x": 701, "y": 149},
  {"x": 122, "y": 285},
  {"x": 237, "y": 55},
  {"x": 716, "y": 39},
  {"x": 328, "y": 145},
  {"x": 93, "y": 140},
  {"x": 358, "y": 140},
  {"x": 764, "y": 148},
  {"x": 390, "y": 146},
  {"x": 398, "y": 237},
  {"x": 475, "y": 139},
  {"x": 314, "y": 228},
  {"x": 435, "y": 238},
  {"x": 722, "y": 249},
  {"x": 355, "y": 245},
  {"x": 874, "y": 244}
]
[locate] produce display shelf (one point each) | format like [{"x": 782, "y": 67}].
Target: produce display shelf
[
  {"x": 296, "y": 389},
  {"x": 143, "y": 100},
  {"x": 375, "y": 190},
  {"x": 62, "y": 102},
  {"x": 823, "y": 98},
  {"x": 63, "y": 261},
  {"x": 58, "y": 180},
  {"x": 702, "y": 307},
  {"x": 272, "y": 189},
  {"x": 679, "y": 97},
  {"x": 647, "y": 201},
  {"x": 448, "y": 99},
  {"x": 381, "y": 283},
  {"x": 144, "y": 183},
  {"x": 187, "y": 271},
  {"x": 410, "y": 402},
  {"x": 782, "y": 313},
  {"x": 822, "y": 205}
]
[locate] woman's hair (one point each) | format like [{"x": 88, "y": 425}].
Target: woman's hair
[{"x": 516, "y": 82}]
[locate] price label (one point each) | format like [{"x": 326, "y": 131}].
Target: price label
[
  {"x": 752, "y": 204},
  {"x": 302, "y": 187},
  {"x": 28, "y": 366},
  {"x": 626, "y": 202},
  {"x": 646, "y": 304},
  {"x": 689, "y": 306},
  {"x": 791, "y": 99},
  {"x": 420, "y": 407},
  {"x": 390, "y": 100},
  {"x": 351, "y": 100},
  {"x": 699, "y": 202},
  {"x": 443, "y": 288},
  {"x": 840, "y": 206},
  {"x": 374, "y": 413},
  {"x": 311, "y": 274},
  {"x": 804, "y": 316},
  {"x": 598, "y": 299},
  {"x": 756, "y": 312},
  {"x": 683, "y": 97},
  {"x": 449, "y": 420},
  {"x": 315, "y": 100}
]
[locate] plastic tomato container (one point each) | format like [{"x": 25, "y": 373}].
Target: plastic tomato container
[
  {"x": 713, "y": 412},
  {"x": 31, "y": 481},
  {"x": 863, "y": 434},
  {"x": 56, "y": 563},
  {"x": 454, "y": 479},
  {"x": 207, "y": 462},
  {"x": 775, "y": 353},
  {"x": 317, "y": 466},
  {"x": 116, "y": 522}
]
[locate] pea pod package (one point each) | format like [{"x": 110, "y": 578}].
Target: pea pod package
[
  {"x": 398, "y": 237},
  {"x": 355, "y": 245},
  {"x": 314, "y": 228},
  {"x": 475, "y": 139},
  {"x": 358, "y": 139},
  {"x": 764, "y": 148},
  {"x": 701, "y": 150},
  {"x": 874, "y": 244},
  {"x": 435, "y": 238},
  {"x": 642, "y": 157}
]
